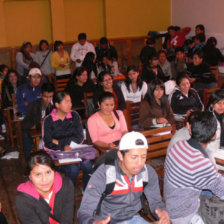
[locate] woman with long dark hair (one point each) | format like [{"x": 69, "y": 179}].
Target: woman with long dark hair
[
  {"x": 46, "y": 197},
  {"x": 89, "y": 64},
  {"x": 24, "y": 58},
  {"x": 62, "y": 127},
  {"x": 155, "y": 110},
  {"x": 216, "y": 105}
]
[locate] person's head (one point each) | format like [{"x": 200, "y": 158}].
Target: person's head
[
  {"x": 162, "y": 56},
  {"x": 41, "y": 171},
  {"x": 35, "y": 75},
  {"x": 106, "y": 102},
  {"x": 153, "y": 61},
  {"x": 211, "y": 42},
  {"x": 180, "y": 55},
  {"x": 58, "y": 45},
  {"x": 203, "y": 126},
  {"x": 43, "y": 45},
  {"x": 156, "y": 90},
  {"x": 133, "y": 73},
  {"x": 105, "y": 80},
  {"x": 172, "y": 31},
  {"x": 199, "y": 29},
  {"x": 107, "y": 59},
  {"x": 103, "y": 42},
  {"x": 80, "y": 76},
  {"x": 82, "y": 38},
  {"x": 183, "y": 82},
  {"x": 216, "y": 102},
  {"x": 12, "y": 77},
  {"x": 199, "y": 38},
  {"x": 47, "y": 93},
  {"x": 198, "y": 57},
  {"x": 132, "y": 153},
  {"x": 26, "y": 47},
  {"x": 151, "y": 42},
  {"x": 62, "y": 102},
  {"x": 4, "y": 69}
]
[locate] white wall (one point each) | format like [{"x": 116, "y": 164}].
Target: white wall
[{"x": 210, "y": 13}]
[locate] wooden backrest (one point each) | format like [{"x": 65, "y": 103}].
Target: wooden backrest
[
  {"x": 131, "y": 113},
  {"x": 206, "y": 94},
  {"x": 158, "y": 141},
  {"x": 60, "y": 84}
]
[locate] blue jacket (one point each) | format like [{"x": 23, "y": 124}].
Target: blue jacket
[{"x": 26, "y": 93}]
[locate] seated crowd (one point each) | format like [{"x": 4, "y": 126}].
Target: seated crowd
[{"x": 112, "y": 192}]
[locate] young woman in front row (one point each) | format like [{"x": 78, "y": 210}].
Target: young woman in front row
[
  {"x": 62, "y": 127},
  {"x": 107, "y": 126},
  {"x": 46, "y": 197},
  {"x": 155, "y": 110},
  {"x": 133, "y": 88}
]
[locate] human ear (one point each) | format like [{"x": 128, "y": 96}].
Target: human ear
[{"x": 120, "y": 156}]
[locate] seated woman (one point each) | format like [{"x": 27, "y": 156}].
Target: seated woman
[
  {"x": 216, "y": 106},
  {"x": 77, "y": 86},
  {"x": 165, "y": 64},
  {"x": 151, "y": 70},
  {"x": 60, "y": 129},
  {"x": 133, "y": 88},
  {"x": 23, "y": 59},
  {"x": 9, "y": 87},
  {"x": 184, "y": 99},
  {"x": 201, "y": 74},
  {"x": 43, "y": 58},
  {"x": 155, "y": 110},
  {"x": 109, "y": 65},
  {"x": 46, "y": 197},
  {"x": 107, "y": 126},
  {"x": 89, "y": 64},
  {"x": 105, "y": 84},
  {"x": 60, "y": 61}
]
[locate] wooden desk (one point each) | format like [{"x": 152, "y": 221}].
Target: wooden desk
[{"x": 221, "y": 163}]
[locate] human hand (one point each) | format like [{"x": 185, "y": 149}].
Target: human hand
[
  {"x": 163, "y": 216},
  {"x": 161, "y": 120},
  {"x": 67, "y": 148},
  {"x": 103, "y": 221},
  {"x": 55, "y": 141}
]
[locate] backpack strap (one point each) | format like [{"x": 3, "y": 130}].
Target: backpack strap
[
  {"x": 116, "y": 114},
  {"x": 110, "y": 183}
]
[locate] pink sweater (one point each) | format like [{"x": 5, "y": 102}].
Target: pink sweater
[{"x": 100, "y": 131}]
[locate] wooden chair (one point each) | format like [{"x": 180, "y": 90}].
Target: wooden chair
[
  {"x": 60, "y": 84},
  {"x": 131, "y": 114},
  {"x": 206, "y": 94},
  {"x": 158, "y": 141}
]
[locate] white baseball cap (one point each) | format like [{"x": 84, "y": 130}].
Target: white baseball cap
[
  {"x": 35, "y": 71},
  {"x": 133, "y": 140}
]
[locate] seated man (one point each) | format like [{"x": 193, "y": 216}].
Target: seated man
[
  {"x": 188, "y": 171},
  {"x": 128, "y": 177},
  {"x": 80, "y": 49},
  {"x": 35, "y": 114},
  {"x": 29, "y": 92}
]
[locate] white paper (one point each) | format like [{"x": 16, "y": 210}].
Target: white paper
[
  {"x": 69, "y": 160},
  {"x": 74, "y": 145}
]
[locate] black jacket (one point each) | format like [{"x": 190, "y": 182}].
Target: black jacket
[
  {"x": 201, "y": 72},
  {"x": 34, "y": 114},
  {"x": 111, "y": 50},
  {"x": 35, "y": 211},
  {"x": 70, "y": 129},
  {"x": 146, "y": 53}
]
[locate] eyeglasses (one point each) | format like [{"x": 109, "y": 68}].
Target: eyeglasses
[{"x": 107, "y": 80}]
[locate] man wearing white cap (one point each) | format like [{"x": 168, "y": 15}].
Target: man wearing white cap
[
  {"x": 30, "y": 91},
  {"x": 129, "y": 177}
]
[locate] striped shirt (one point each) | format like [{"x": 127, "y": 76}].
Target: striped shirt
[{"x": 188, "y": 170}]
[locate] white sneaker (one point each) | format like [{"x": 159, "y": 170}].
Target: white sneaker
[
  {"x": 3, "y": 128},
  {"x": 2, "y": 137}
]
